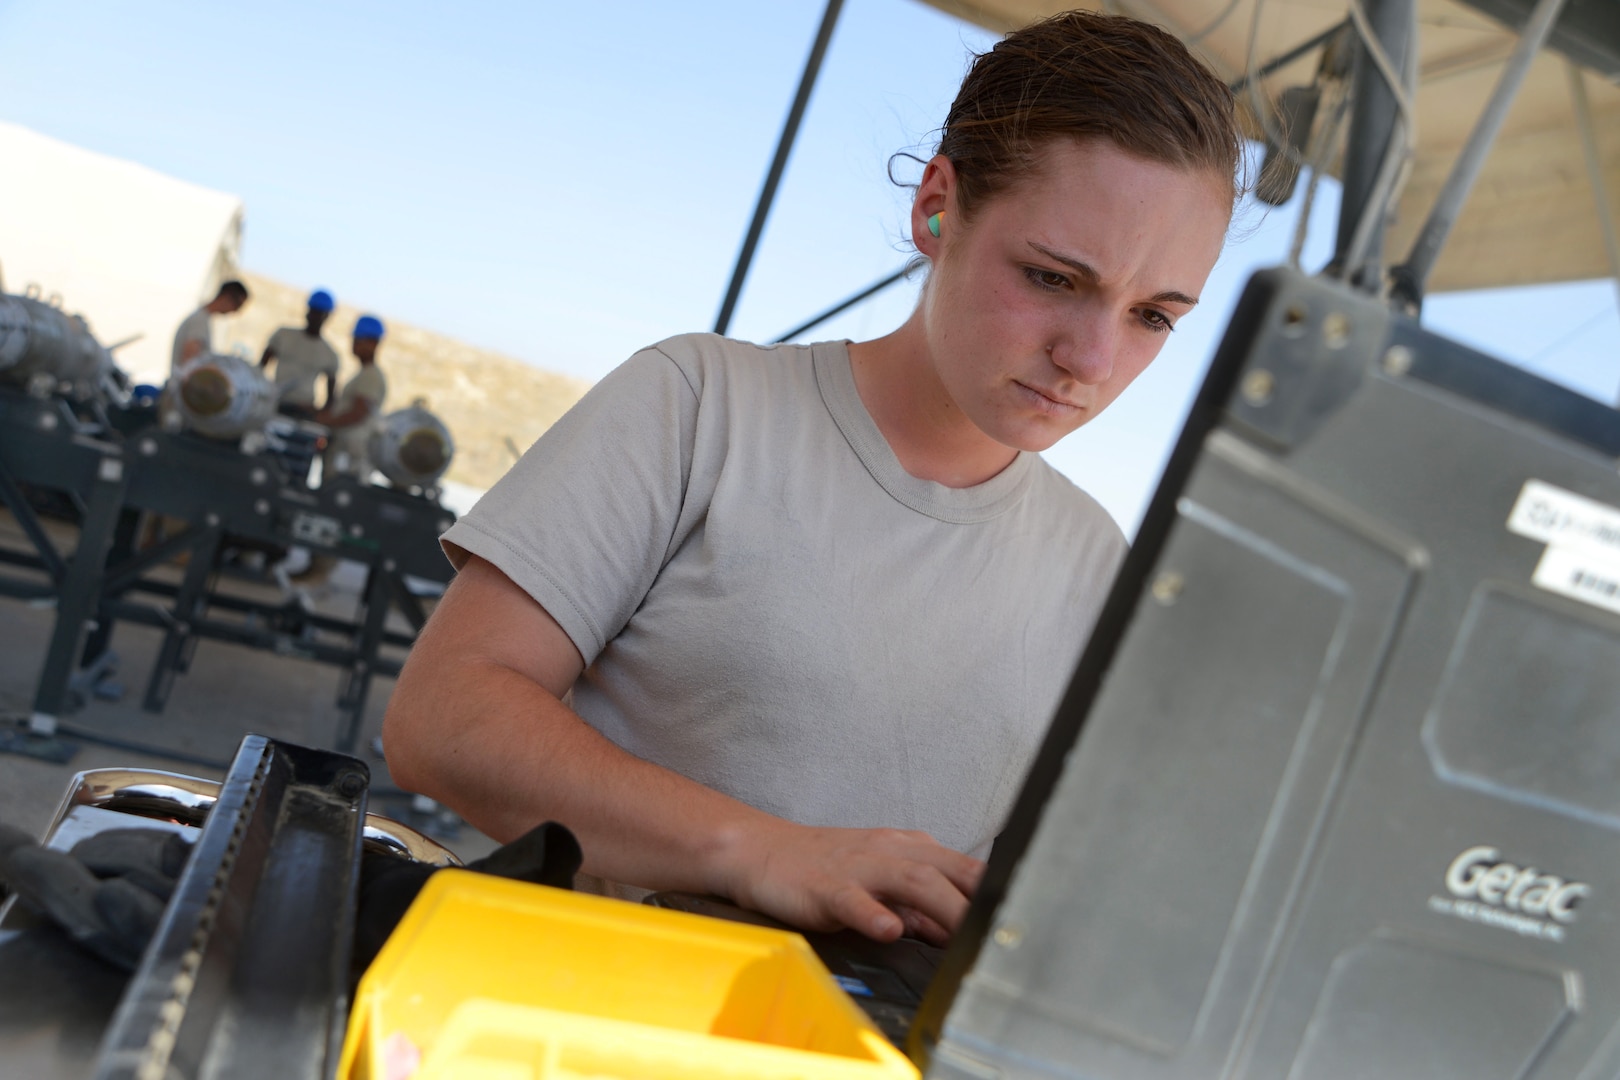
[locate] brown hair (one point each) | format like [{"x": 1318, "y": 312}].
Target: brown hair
[
  {"x": 234, "y": 289},
  {"x": 1082, "y": 74}
]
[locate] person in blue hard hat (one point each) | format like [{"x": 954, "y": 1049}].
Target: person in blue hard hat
[
  {"x": 303, "y": 357},
  {"x": 353, "y": 414}
]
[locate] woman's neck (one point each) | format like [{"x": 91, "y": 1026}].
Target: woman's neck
[{"x": 932, "y": 438}]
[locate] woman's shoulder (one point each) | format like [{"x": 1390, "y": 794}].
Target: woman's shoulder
[
  {"x": 1072, "y": 508},
  {"x": 705, "y": 350},
  {"x": 709, "y": 361}
]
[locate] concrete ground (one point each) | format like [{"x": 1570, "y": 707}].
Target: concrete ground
[{"x": 229, "y": 691}]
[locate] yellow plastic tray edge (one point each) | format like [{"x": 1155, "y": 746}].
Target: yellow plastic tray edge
[{"x": 741, "y": 1056}]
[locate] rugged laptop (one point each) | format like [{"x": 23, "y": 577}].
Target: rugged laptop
[{"x": 1335, "y": 791}]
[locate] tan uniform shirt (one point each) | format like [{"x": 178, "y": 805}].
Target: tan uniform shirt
[
  {"x": 198, "y": 327},
  {"x": 347, "y": 452},
  {"x": 301, "y": 359},
  {"x": 770, "y": 604}
]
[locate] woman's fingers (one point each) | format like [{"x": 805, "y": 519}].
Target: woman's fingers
[
  {"x": 922, "y": 927},
  {"x": 879, "y": 882},
  {"x": 964, "y": 871},
  {"x": 888, "y": 898},
  {"x": 856, "y": 908},
  {"x": 923, "y": 889}
]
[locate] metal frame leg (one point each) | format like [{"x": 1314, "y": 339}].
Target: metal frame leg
[
  {"x": 80, "y": 591},
  {"x": 380, "y": 589},
  {"x": 123, "y": 542},
  {"x": 11, "y": 495},
  {"x": 174, "y": 655}
]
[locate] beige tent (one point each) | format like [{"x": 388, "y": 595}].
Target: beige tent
[
  {"x": 130, "y": 249},
  {"x": 1534, "y": 214}
]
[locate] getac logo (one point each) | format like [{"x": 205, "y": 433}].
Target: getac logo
[{"x": 1479, "y": 873}]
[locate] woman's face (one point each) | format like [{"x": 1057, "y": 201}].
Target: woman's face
[{"x": 1061, "y": 289}]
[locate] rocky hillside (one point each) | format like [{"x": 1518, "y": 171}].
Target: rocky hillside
[{"x": 495, "y": 406}]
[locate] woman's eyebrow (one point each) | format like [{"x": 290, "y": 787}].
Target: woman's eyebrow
[{"x": 1169, "y": 296}]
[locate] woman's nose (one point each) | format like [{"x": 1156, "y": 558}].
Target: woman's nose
[{"x": 1086, "y": 350}]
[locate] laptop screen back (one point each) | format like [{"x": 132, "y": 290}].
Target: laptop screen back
[{"x": 1335, "y": 791}]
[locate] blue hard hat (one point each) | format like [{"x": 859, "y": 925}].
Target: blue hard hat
[
  {"x": 368, "y": 326},
  {"x": 321, "y": 300}
]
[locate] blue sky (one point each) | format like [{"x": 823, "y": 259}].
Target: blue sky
[{"x": 568, "y": 182}]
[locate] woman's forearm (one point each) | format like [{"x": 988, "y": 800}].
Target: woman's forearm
[
  {"x": 503, "y": 752},
  {"x": 506, "y": 755},
  {"x": 476, "y": 721}
]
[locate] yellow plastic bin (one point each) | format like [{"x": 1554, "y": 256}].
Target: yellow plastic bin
[{"x": 489, "y": 979}]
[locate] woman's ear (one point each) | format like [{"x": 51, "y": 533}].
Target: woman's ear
[{"x": 936, "y": 195}]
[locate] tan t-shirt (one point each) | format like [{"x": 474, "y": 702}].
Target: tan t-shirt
[
  {"x": 301, "y": 358},
  {"x": 351, "y": 439},
  {"x": 768, "y": 603},
  {"x": 198, "y": 327}
]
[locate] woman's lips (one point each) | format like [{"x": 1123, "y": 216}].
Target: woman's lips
[{"x": 1048, "y": 402}]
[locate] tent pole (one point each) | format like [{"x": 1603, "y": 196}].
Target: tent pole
[
  {"x": 844, "y": 305},
  {"x": 1282, "y": 61},
  {"x": 1594, "y": 171},
  {"x": 784, "y": 147},
  {"x": 1373, "y": 137},
  {"x": 1411, "y": 276}
]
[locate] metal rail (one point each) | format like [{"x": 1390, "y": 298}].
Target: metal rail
[
  {"x": 844, "y": 305},
  {"x": 784, "y": 147}
]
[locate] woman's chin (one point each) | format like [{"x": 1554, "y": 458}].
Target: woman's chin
[{"x": 1034, "y": 436}]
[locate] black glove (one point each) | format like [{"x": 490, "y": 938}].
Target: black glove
[
  {"x": 547, "y": 854},
  {"x": 107, "y": 894}
]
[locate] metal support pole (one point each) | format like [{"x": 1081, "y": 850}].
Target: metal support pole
[
  {"x": 844, "y": 305},
  {"x": 1411, "y": 277},
  {"x": 1594, "y": 172},
  {"x": 784, "y": 147},
  {"x": 1282, "y": 61},
  {"x": 80, "y": 592},
  {"x": 1372, "y": 129}
]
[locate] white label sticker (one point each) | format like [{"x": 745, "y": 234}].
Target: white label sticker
[
  {"x": 1579, "y": 576},
  {"x": 1563, "y": 519}
]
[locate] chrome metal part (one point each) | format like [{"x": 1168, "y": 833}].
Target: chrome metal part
[
  {"x": 247, "y": 975},
  {"x": 187, "y": 800}
]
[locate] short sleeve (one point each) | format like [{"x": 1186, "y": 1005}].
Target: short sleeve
[
  {"x": 329, "y": 362},
  {"x": 370, "y": 387},
  {"x": 586, "y": 520},
  {"x": 275, "y": 343},
  {"x": 198, "y": 328}
]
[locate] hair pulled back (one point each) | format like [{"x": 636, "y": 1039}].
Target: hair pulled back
[{"x": 1082, "y": 74}]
